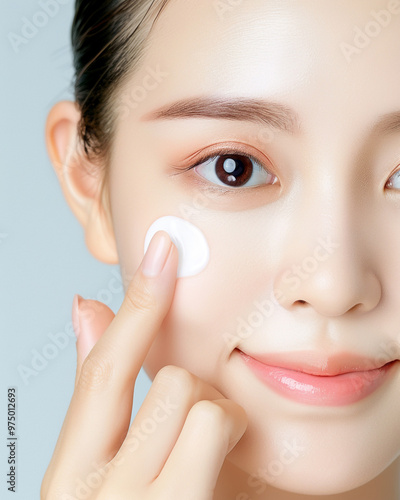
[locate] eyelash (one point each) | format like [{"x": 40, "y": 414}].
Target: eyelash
[{"x": 207, "y": 186}]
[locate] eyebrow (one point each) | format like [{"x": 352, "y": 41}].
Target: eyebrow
[{"x": 269, "y": 113}]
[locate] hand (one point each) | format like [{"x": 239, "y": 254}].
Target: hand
[{"x": 180, "y": 436}]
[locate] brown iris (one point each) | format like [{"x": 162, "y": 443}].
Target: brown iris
[{"x": 233, "y": 170}]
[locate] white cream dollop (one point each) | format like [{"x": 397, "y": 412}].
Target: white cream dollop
[{"x": 191, "y": 243}]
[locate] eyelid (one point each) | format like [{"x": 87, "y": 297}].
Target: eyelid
[
  {"x": 396, "y": 168},
  {"x": 221, "y": 149}
]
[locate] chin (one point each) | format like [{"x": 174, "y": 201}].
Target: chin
[{"x": 302, "y": 463}]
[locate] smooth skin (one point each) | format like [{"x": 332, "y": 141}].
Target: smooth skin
[
  {"x": 95, "y": 430},
  {"x": 333, "y": 170}
]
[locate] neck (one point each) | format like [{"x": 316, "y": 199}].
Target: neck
[{"x": 232, "y": 484}]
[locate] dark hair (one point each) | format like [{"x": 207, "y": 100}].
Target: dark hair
[{"x": 108, "y": 42}]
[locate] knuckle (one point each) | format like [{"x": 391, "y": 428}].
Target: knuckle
[
  {"x": 139, "y": 297},
  {"x": 176, "y": 377},
  {"x": 96, "y": 373},
  {"x": 209, "y": 414}
]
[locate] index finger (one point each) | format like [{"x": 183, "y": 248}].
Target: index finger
[
  {"x": 99, "y": 413},
  {"x": 126, "y": 341}
]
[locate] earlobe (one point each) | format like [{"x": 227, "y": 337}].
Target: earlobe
[
  {"x": 99, "y": 234},
  {"x": 80, "y": 180}
]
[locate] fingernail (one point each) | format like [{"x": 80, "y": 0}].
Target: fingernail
[
  {"x": 156, "y": 254},
  {"x": 75, "y": 314}
]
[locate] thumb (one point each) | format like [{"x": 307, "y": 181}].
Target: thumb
[{"x": 90, "y": 319}]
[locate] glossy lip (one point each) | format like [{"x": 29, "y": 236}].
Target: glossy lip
[
  {"x": 315, "y": 363},
  {"x": 334, "y": 381}
]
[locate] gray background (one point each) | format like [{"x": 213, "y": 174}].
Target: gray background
[{"x": 43, "y": 257}]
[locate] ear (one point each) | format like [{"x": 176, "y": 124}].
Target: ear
[{"x": 82, "y": 181}]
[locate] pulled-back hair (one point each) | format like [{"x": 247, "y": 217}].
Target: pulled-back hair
[{"x": 108, "y": 43}]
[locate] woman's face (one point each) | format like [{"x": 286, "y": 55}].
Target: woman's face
[{"x": 310, "y": 231}]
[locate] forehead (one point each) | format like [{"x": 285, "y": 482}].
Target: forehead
[{"x": 331, "y": 56}]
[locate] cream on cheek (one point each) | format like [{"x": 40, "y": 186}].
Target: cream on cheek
[{"x": 191, "y": 243}]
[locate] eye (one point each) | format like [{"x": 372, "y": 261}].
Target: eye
[
  {"x": 234, "y": 169},
  {"x": 394, "y": 180}
]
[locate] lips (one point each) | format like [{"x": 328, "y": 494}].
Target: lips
[
  {"x": 315, "y": 363},
  {"x": 312, "y": 378}
]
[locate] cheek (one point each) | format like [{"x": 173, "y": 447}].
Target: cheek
[
  {"x": 197, "y": 332},
  {"x": 205, "y": 306}
]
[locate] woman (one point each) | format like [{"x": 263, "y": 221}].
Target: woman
[{"x": 273, "y": 127}]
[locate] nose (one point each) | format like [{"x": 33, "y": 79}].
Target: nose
[{"x": 327, "y": 264}]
